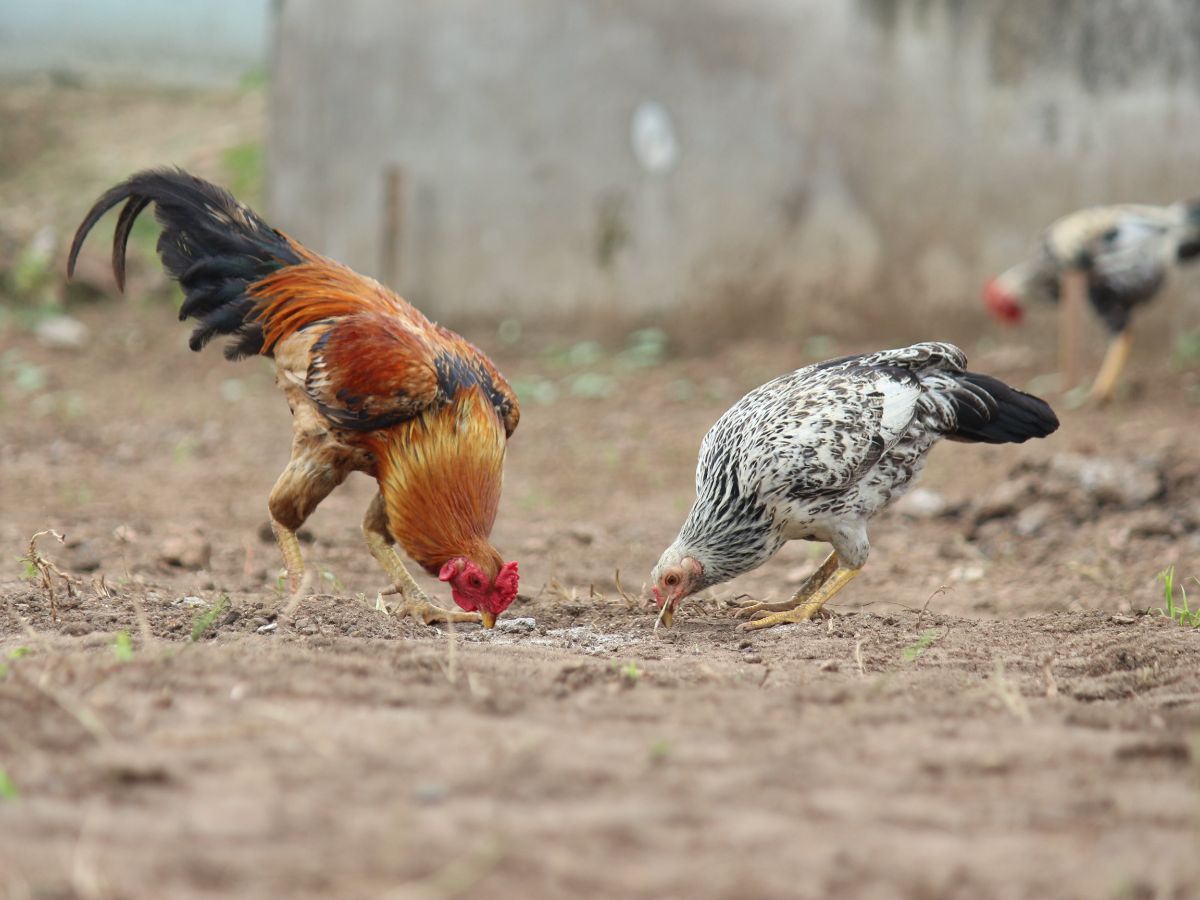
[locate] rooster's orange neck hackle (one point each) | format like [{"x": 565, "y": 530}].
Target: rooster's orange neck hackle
[{"x": 441, "y": 476}]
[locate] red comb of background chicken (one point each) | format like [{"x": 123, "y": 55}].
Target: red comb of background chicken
[{"x": 1001, "y": 304}]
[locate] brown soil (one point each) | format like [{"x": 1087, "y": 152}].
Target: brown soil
[{"x": 990, "y": 714}]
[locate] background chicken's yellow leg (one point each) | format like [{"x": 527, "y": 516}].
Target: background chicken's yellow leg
[
  {"x": 414, "y": 601},
  {"x": 809, "y": 608},
  {"x": 1105, "y": 384},
  {"x": 814, "y": 581},
  {"x": 1074, "y": 292}
]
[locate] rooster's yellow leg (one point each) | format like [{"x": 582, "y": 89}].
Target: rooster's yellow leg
[
  {"x": 841, "y": 576},
  {"x": 413, "y": 601},
  {"x": 814, "y": 581},
  {"x": 293, "y": 559},
  {"x": 1105, "y": 384}
]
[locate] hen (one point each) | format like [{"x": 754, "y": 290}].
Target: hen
[
  {"x": 373, "y": 386},
  {"x": 1123, "y": 254},
  {"x": 813, "y": 455}
]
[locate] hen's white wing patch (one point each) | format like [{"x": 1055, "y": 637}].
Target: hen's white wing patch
[{"x": 899, "y": 406}]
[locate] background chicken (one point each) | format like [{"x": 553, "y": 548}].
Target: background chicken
[
  {"x": 373, "y": 386},
  {"x": 813, "y": 455},
  {"x": 1122, "y": 254}
]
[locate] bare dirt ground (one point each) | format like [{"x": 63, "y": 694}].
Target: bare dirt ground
[{"x": 991, "y": 713}]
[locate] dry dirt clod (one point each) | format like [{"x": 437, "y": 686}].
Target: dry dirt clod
[
  {"x": 191, "y": 551},
  {"x": 1124, "y": 483}
]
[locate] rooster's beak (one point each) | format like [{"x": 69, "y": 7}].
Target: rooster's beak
[{"x": 489, "y": 619}]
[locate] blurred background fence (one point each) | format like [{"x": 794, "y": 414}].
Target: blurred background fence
[{"x": 786, "y": 161}]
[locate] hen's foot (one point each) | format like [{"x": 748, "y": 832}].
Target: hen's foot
[
  {"x": 748, "y": 608},
  {"x": 804, "y": 613}
]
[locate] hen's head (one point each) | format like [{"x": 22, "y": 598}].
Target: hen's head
[
  {"x": 1002, "y": 300},
  {"x": 474, "y": 591},
  {"x": 676, "y": 576}
]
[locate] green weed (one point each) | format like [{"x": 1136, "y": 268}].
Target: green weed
[
  {"x": 1177, "y": 608},
  {"x": 205, "y": 620}
]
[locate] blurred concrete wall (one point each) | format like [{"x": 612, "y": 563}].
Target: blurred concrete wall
[
  {"x": 801, "y": 157},
  {"x": 141, "y": 42}
]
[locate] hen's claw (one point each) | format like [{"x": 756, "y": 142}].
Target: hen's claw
[{"x": 749, "y": 608}]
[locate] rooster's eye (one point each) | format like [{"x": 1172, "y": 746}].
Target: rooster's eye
[{"x": 475, "y": 582}]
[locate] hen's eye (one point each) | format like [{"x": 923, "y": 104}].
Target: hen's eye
[
  {"x": 475, "y": 582},
  {"x": 671, "y": 580}
]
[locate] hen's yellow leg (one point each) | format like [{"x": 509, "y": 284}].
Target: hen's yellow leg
[
  {"x": 413, "y": 601},
  {"x": 841, "y": 576},
  {"x": 1105, "y": 384},
  {"x": 814, "y": 581}
]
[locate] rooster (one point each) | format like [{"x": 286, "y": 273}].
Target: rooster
[
  {"x": 1123, "y": 254},
  {"x": 815, "y": 454},
  {"x": 373, "y": 386}
]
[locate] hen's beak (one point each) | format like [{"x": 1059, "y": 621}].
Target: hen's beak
[
  {"x": 667, "y": 616},
  {"x": 489, "y": 619}
]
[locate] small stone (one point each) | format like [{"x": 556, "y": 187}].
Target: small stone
[
  {"x": 518, "y": 625},
  {"x": 1003, "y": 500},
  {"x": 190, "y": 601},
  {"x": 828, "y": 665},
  {"x": 61, "y": 333},
  {"x": 1120, "y": 482},
  {"x": 1033, "y": 518},
  {"x": 268, "y": 628},
  {"x": 921, "y": 503},
  {"x": 185, "y": 552},
  {"x": 1122, "y": 620},
  {"x": 966, "y": 573},
  {"x": 752, "y": 659},
  {"x": 581, "y": 534}
]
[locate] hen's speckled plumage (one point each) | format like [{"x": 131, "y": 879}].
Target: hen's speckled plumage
[{"x": 816, "y": 453}]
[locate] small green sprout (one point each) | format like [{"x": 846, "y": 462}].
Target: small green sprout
[
  {"x": 123, "y": 647},
  {"x": 660, "y": 750},
  {"x": 8, "y": 790},
  {"x": 205, "y": 620},
  {"x": 913, "y": 652},
  {"x": 631, "y": 671}
]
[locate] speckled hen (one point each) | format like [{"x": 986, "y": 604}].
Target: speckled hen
[{"x": 815, "y": 454}]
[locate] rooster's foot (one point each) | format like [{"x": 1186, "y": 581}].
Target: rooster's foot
[{"x": 427, "y": 612}]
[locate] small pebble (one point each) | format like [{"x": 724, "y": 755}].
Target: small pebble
[
  {"x": 268, "y": 628},
  {"x": 521, "y": 624}
]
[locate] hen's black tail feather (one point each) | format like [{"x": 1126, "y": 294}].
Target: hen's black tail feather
[
  {"x": 210, "y": 243},
  {"x": 989, "y": 411}
]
